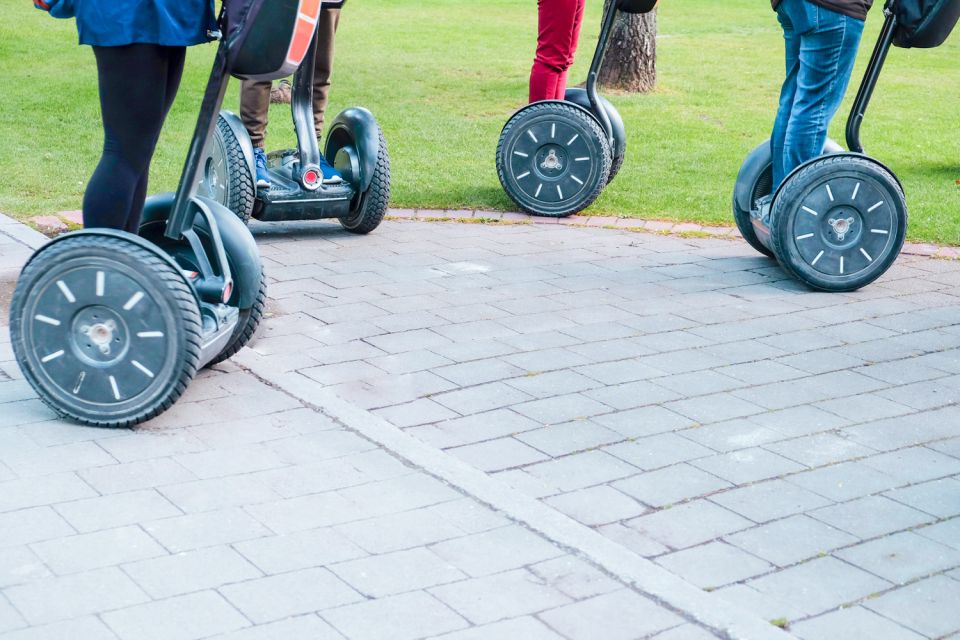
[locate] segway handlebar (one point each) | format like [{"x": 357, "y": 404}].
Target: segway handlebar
[{"x": 870, "y": 78}]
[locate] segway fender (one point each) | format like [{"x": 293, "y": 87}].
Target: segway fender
[
  {"x": 356, "y": 127},
  {"x": 115, "y": 233},
  {"x": 830, "y": 151},
  {"x": 238, "y": 243},
  {"x": 580, "y": 98},
  {"x": 240, "y": 133},
  {"x": 756, "y": 163},
  {"x": 241, "y": 250}
]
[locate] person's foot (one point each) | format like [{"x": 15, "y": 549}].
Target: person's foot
[
  {"x": 330, "y": 174},
  {"x": 282, "y": 93},
  {"x": 263, "y": 175},
  {"x": 761, "y": 208}
]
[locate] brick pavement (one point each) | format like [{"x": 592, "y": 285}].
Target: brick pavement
[{"x": 795, "y": 453}]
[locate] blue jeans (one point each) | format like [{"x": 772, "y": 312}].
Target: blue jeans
[{"x": 821, "y": 47}]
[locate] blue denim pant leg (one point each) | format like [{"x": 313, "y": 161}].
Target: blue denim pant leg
[{"x": 821, "y": 48}]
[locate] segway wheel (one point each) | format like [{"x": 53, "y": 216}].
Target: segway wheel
[
  {"x": 761, "y": 184},
  {"x": 225, "y": 177},
  {"x": 617, "y": 164},
  {"x": 106, "y": 332},
  {"x": 247, "y": 325},
  {"x": 372, "y": 204},
  {"x": 839, "y": 223},
  {"x": 553, "y": 159}
]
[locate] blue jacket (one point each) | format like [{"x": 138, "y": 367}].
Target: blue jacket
[{"x": 113, "y": 23}]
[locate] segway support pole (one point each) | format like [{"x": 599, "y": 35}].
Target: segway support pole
[
  {"x": 605, "y": 30},
  {"x": 870, "y": 77},
  {"x": 302, "y": 110}
]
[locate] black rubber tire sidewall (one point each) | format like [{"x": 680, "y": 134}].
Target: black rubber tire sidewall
[
  {"x": 374, "y": 202},
  {"x": 247, "y": 325},
  {"x": 241, "y": 193},
  {"x": 742, "y": 218}
]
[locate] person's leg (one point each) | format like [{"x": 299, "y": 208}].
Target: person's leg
[
  {"x": 323, "y": 65},
  {"x": 827, "y": 55},
  {"x": 788, "y": 91},
  {"x": 254, "y": 112},
  {"x": 556, "y": 22},
  {"x": 175, "y": 59},
  {"x": 133, "y": 85},
  {"x": 574, "y": 42}
]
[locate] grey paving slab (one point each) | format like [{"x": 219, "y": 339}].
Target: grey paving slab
[
  {"x": 401, "y": 617},
  {"x": 791, "y": 540},
  {"x": 494, "y": 551},
  {"x": 714, "y": 564},
  {"x": 902, "y": 557},
  {"x": 186, "y": 617},
  {"x": 671, "y": 485},
  {"x": 523, "y": 628},
  {"x": 597, "y": 505},
  {"x": 62, "y": 598},
  {"x": 769, "y": 500},
  {"x": 617, "y": 616},
  {"x": 288, "y": 594},
  {"x": 925, "y": 607},
  {"x": 689, "y": 524},
  {"x": 88, "y": 628},
  {"x": 99, "y": 549},
  {"x": 307, "y": 626},
  {"x": 504, "y": 595},
  {"x": 857, "y": 624},
  {"x": 871, "y": 516},
  {"x": 397, "y": 572},
  {"x": 937, "y": 497}
]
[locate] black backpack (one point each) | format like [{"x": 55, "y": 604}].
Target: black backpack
[{"x": 924, "y": 23}]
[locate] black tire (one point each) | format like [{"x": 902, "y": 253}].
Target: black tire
[
  {"x": 617, "y": 164},
  {"x": 839, "y": 223},
  {"x": 372, "y": 204},
  {"x": 247, "y": 325},
  {"x": 758, "y": 179},
  {"x": 106, "y": 332},
  {"x": 528, "y": 148},
  {"x": 225, "y": 176}
]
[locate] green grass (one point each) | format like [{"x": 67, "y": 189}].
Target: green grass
[{"x": 442, "y": 76}]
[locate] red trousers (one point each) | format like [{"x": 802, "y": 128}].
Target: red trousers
[{"x": 559, "y": 32}]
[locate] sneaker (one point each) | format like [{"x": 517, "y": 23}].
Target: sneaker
[
  {"x": 282, "y": 93},
  {"x": 263, "y": 176},
  {"x": 761, "y": 208},
  {"x": 330, "y": 175}
]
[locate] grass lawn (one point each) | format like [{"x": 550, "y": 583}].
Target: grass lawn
[{"x": 442, "y": 76}]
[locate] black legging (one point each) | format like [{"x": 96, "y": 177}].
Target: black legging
[{"x": 138, "y": 83}]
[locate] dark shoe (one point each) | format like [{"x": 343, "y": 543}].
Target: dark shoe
[
  {"x": 263, "y": 175},
  {"x": 761, "y": 208},
  {"x": 330, "y": 175},
  {"x": 282, "y": 93}
]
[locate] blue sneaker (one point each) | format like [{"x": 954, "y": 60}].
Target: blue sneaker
[
  {"x": 330, "y": 175},
  {"x": 263, "y": 176}
]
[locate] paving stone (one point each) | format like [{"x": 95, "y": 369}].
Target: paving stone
[
  {"x": 621, "y": 615},
  {"x": 938, "y": 497},
  {"x": 857, "y": 624},
  {"x": 731, "y": 435},
  {"x": 100, "y": 549},
  {"x": 619, "y": 371},
  {"x": 819, "y": 585},
  {"x": 574, "y": 577},
  {"x": 497, "y": 550},
  {"x": 906, "y": 431},
  {"x": 481, "y": 372},
  {"x": 31, "y": 525},
  {"x": 191, "y": 571},
  {"x": 927, "y": 606},
  {"x": 481, "y": 398},
  {"x": 480, "y": 427},
  {"x": 581, "y": 470},
  {"x": 132, "y": 476},
  {"x": 658, "y": 451},
  {"x": 713, "y": 565},
  {"x": 570, "y": 437},
  {"x": 902, "y": 557},
  {"x": 401, "y": 617},
  {"x": 871, "y": 516},
  {"x": 844, "y": 481},
  {"x": 597, "y": 505},
  {"x": 27, "y": 492},
  {"x": 66, "y": 597},
  {"x": 769, "y": 500},
  {"x": 422, "y": 411},
  {"x": 670, "y": 485},
  {"x": 545, "y": 385},
  {"x": 715, "y": 408},
  {"x": 685, "y": 632},
  {"x": 401, "y": 531},
  {"x": 764, "y": 605},
  {"x": 915, "y": 464},
  {"x": 207, "y": 529},
  {"x": 499, "y": 454},
  {"x": 88, "y": 628},
  {"x": 561, "y": 409},
  {"x": 398, "y": 572},
  {"x": 820, "y": 449},
  {"x": 289, "y": 594},
  {"x": 9, "y": 618},
  {"x": 409, "y": 361},
  {"x": 631, "y": 395},
  {"x": 633, "y": 540},
  {"x": 644, "y": 421},
  {"x": 186, "y": 617},
  {"x": 791, "y": 540},
  {"x": 747, "y": 465},
  {"x": 495, "y": 597},
  {"x": 48, "y": 460},
  {"x": 108, "y": 512},
  {"x": 546, "y": 360},
  {"x": 689, "y": 524},
  {"x": 800, "y": 421},
  {"x": 20, "y": 565},
  {"x": 218, "y": 493},
  {"x": 525, "y": 628},
  {"x": 946, "y": 532},
  {"x": 761, "y": 372},
  {"x": 865, "y": 407},
  {"x": 308, "y": 626}
]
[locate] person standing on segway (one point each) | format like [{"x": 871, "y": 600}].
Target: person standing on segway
[
  {"x": 255, "y": 100},
  {"x": 822, "y": 38},
  {"x": 557, "y": 37},
  {"x": 140, "y": 49}
]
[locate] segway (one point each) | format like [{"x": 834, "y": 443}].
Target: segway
[
  {"x": 838, "y": 222},
  {"x": 355, "y": 146},
  {"x": 108, "y": 327},
  {"x": 555, "y": 157}
]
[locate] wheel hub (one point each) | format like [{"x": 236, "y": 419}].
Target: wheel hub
[
  {"x": 99, "y": 335},
  {"x": 842, "y": 228}
]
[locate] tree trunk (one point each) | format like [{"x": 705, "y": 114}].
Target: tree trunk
[{"x": 631, "y": 60}]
